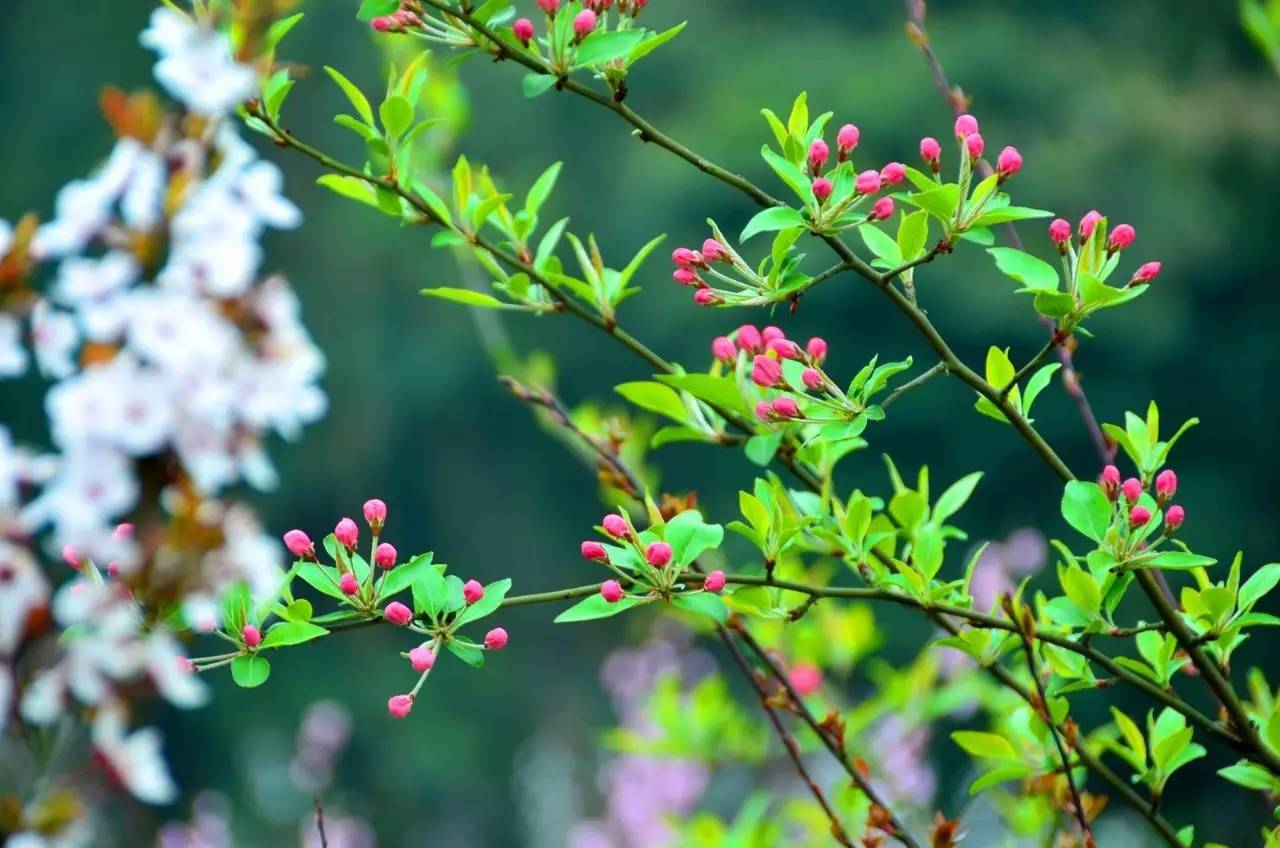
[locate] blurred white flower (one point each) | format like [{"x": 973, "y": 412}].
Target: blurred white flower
[
  {"x": 135, "y": 760},
  {"x": 13, "y": 356},
  {"x": 196, "y": 65},
  {"x": 55, "y": 338},
  {"x": 23, "y": 590}
]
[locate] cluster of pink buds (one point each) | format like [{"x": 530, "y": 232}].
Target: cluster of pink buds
[
  {"x": 690, "y": 263},
  {"x": 973, "y": 146},
  {"x": 865, "y": 184},
  {"x": 656, "y": 553},
  {"x": 346, "y": 535},
  {"x": 767, "y": 350},
  {"x": 404, "y": 18},
  {"x": 1131, "y": 489},
  {"x": 1121, "y": 237}
]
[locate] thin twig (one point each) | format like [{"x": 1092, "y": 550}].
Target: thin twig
[
  {"x": 1028, "y": 368},
  {"x": 788, "y": 741},
  {"x": 1029, "y": 649},
  {"x": 940, "y": 368},
  {"x": 324, "y": 839}
]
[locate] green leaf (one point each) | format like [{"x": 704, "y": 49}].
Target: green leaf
[
  {"x": 1179, "y": 561},
  {"x": 879, "y": 243},
  {"x": 291, "y": 633},
  {"x": 469, "y": 654},
  {"x": 703, "y": 603},
  {"x": 370, "y": 9},
  {"x": 690, "y": 537},
  {"x": 250, "y": 671},
  {"x": 1086, "y": 508},
  {"x": 1008, "y": 213},
  {"x": 353, "y": 94},
  {"x": 431, "y": 591},
  {"x": 988, "y": 745},
  {"x": 541, "y": 189},
  {"x": 790, "y": 174},
  {"x": 535, "y": 84},
  {"x": 467, "y": 296},
  {"x": 654, "y": 397},
  {"x": 718, "y": 391},
  {"x": 607, "y": 46},
  {"x": 322, "y": 578},
  {"x": 913, "y": 234},
  {"x": 596, "y": 606},
  {"x": 1081, "y": 588},
  {"x": 493, "y": 595},
  {"x": 1026, "y": 269},
  {"x": 950, "y": 501},
  {"x": 396, "y": 113},
  {"x": 1250, "y": 776},
  {"x": 405, "y": 575},
  {"x": 939, "y": 202},
  {"x": 349, "y": 187},
  {"x": 771, "y": 219},
  {"x": 760, "y": 449},
  {"x": 653, "y": 42}
]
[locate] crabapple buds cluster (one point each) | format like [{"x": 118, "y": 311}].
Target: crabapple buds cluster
[{"x": 1121, "y": 237}]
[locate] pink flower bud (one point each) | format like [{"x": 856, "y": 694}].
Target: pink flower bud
[
  {"x": 765, "y": 371},
  {"x": 384, "y": 556},
  {"x": 400, "y": 705},
  {"x": 1139, "y": 516},
  {"x": 882, "y": 210},
  {"x": 549, "y": 6},
  {"x": 611, "y": 591},
  {"x": 584, "y": 23},
  {"x": 383, "y": 23},
  {"x": 713, "y": 251},
  {"x": 299, "y": 544},
  {"x": 812, "y": 379},
  {"x": 422, "y": 658},
  {"x": 1121, "y": 237},
  {"x": 805, "y": 679},
  {"x": 966, "y": 125},
  {"x": 615, "y": 525},
  {"x": 818, "y": 154},
  {"x": 785, "y": 348},
  {"x": 846, "y": 140},
  {"x": 72, "y": 557},
  {"x": 113, "y": 569},
  {"x": 816, "y": 348},
  {"x": 714, "y": 582},
  {"x": 868, "y": 182},
  {"x": 1009, "y": 162},
  {"x": 523, "y": 31},
  {"x": 398, "y": 613},
  {"x": 686, "y": 277},
  {"x": 723, "y": 348},
  {"x": 495, "y": 639},
  {"x": 822, "y": 189},
  {"x": 750, "y": 339},
  {"x": 785, "y": 407},
  {"x": 251, "y": 635},
  {"x": 1132, "y": 489},
  {"x": 1147, "y": 272},
  {"x": 1060, "y": 231},
  {"x": 893, "y": 173},
  {"x": 763, "y": 411},
  {"x": 375, "y": 513},
  {"x": 347, "y": 533},
  {"x": 706, "y": 297},
  {"x": 348, "y": 583},
  {"x": 1166, "y": 483},
  {"x": 1111, "y": 481},
  {"x": 683, "y": 257},
  {"x": 1088, "y": 222},
  {"x": 1173, "y": 518},
  {"x": 771, "y": 332},
  {"x": 472, "y": 591},
  {"x": 658, "y": 554},
  {"x": 122, "y": 532},
  {"x": 594, "y": 551},
  {"x": 975, "y": 145},
  {"x": 930, "y": 150}
]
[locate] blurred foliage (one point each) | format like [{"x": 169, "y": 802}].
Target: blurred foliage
[{"x": 1157, "y": 114}]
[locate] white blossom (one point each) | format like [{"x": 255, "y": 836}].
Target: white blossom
[
  {"x": 196, "y": 65},
  {"x": 135, "y": 759}
]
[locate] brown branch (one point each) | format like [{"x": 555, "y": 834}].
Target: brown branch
[
  {"x": 324, "y": 838},
  {"x": 788, "y": 741}
]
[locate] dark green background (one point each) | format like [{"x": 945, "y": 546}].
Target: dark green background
[{"x": 1158, "y": 114}]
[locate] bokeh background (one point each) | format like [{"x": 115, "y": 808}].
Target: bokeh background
[{"x": 1162, "y": 115}]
